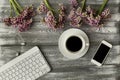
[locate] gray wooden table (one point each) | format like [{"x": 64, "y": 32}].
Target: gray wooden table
[{"x": 47, "y": 40}]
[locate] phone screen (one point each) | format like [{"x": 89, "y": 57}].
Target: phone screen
[{"x": 101, "y": 53}]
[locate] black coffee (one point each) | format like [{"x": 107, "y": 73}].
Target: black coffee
[{"x": 74, "y": 44}]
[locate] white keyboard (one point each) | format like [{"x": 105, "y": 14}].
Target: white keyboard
[{"x": 28, "y": 66}]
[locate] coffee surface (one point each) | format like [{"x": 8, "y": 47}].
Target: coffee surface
[{"x": 74, "y": 43}]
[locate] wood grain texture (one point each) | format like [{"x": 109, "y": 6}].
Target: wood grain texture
[{"x": 47, "y": 40}]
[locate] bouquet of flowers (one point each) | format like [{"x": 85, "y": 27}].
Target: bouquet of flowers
[
  {"x": 22, "y": 18},
  {"x": 88, "y": 15}
]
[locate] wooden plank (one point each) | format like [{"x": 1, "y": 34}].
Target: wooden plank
[
  {"x": 82, "y": 68},
  {"x": 114, "y": 17},
  {"x": 93, "y": 72},
  {"x": 113, "y": 8},
  {"x": 57, "y": 60},
  {"x": 85, "y": 73},
  {"x": 52, "y": 39},
  {"x": 109, "y": 27},
  {"x": 37, "y": 18},
  {"x": 114, "y": 14},
  {"x": 49, "y": 37},
  {"x": 61, "y": 1}
]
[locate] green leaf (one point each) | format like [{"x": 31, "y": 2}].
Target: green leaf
[
  {"x": 83, "y": 4},
  {"x": 18, "y": 6},
  {"x": 48, "y": 6},
  {"x": 14, "y": 6},
  {"x": 102, "y": 7},
  {"x": 11, "y": 9}
]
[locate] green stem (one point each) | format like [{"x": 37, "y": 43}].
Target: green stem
[
  {"x": 83, "y": 4},
  {"x": 48, "y": 6},
  {"x": 18, "y": 6},
  {"x": 11, "y": 9},
  {"x": 102, "y": 7},
  {"x": 13, "y": 4}
]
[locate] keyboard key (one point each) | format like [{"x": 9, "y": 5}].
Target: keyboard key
[
  {"x": 37, "y": 75},
  {"x": 23, "y": 74}
]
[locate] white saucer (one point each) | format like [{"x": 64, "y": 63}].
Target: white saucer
[{"x": 62, "y": 43}]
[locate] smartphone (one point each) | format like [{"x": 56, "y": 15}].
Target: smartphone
[{"x": 101, "y": 53}]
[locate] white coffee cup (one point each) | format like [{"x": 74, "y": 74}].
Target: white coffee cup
[{"x": 73, "y": 33}]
